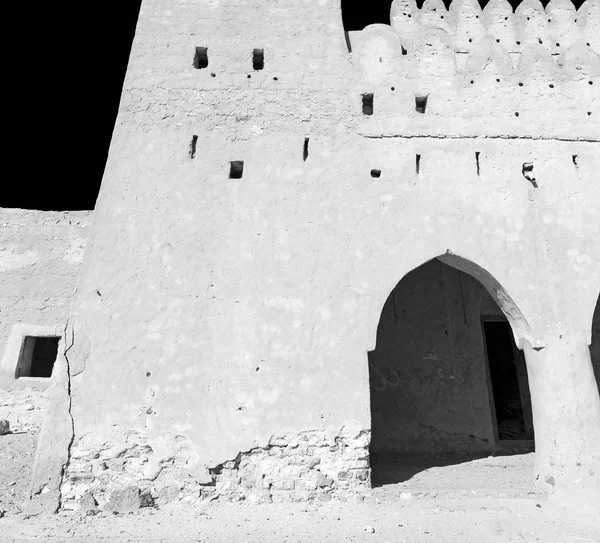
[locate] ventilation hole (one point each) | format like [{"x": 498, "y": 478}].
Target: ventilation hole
[
  {"x": 540, "y": 41},
  {"x": 497, "y": 40},
  {"x": 367, "y": 103},
  {"x": 520, "y": 84},
  {"x": 420, "y": 103},
  {"x": 201, "y": 58},
  {"x": 527, "y": 172},
  {"x": 236, "y": 169},
  {"x": 275, "y": 78},
  {"x": 404, "y": 51},
  {"x": 497, "y": 80},
  {"x": 249, "y": 76},
  {"x": 551, "y": 85},
  {"x": 589, "y": 113},
  {"x": 477, "y": 162},
  {"x": 393, "y": 88},
  {"x": 375, "y": 173},
  {"x": 472, "y": 81},
  {"x": 441, "y": 16},
  {"x": 418, "y": 164},
  {"x": 587, "y": 43},
  {"x": 518, "y": 43},
  {"x": 193, "y": 146},
  {"x": 506, "y": 18},
  {"x": 591, "y": 82},
  {"x": 148, "y": 374},
  {"x": 558, "y": 45},
  {"x": 470, "y": 40},
  {"x": 549, "y": 20},
  {"x": 516, "y": 113},
  {"x": 258, "y": 59},
  {"x": 575, "y": 161},
  {"x": 213, "y": 74},
  {"x": 305, "y": 151}
]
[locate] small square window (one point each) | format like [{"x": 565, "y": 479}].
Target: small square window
[
  {"x": 258, "y": 59},
  {"x": 236, "y": 169},
  {"x": 201, "y": 58},
  {"x": 37, "y": 356}
]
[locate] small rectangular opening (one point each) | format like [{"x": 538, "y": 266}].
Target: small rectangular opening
[
  {"x": 236, "y": 169},
  {"x": 258, "y": 59},
  {"x": 305, "y": 150},
  {"x": 477, "y": 162},
  {"x": 420, "y": 103},
  {"x": 367, "y": 103},
  {"x": 201, "y": 58},
  {"x": 418, "y": 164},
  {"x": 509, "y": 382},
  {"x": 37, "y": 357},
  {"x": 375, "y": 173}
]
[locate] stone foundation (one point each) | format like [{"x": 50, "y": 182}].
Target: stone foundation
[{"x": 293, "y": 467}]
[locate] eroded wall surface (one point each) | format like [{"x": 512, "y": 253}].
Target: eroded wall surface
[{"x": 216, "y": 315}]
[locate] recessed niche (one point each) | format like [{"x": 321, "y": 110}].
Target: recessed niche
[
  {"x": 375, "y": 173},
  {"x": 236, "y": 169},
  {"x": 201, "y": 58},
  {"x": 420, "y": 103},
  {"x": 258, "y": 59},
  {"x": 37, "y": 357},
  {"x": 367, "y": 103}
]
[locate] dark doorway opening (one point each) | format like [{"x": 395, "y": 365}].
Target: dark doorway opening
[
  {"x": 37, "y": 358},
  {"x": 509, "y": 383},
  {"x": 432, "y": 402}
]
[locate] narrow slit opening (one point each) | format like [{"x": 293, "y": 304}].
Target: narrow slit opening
[
  {"x": 258, "y": 59},
  {"x": 420, "y": 103},
  {"x": 236, "y": 169},
  {"x": 575, "y": 163},
  {"x": 418, "y": 164},
  {"x": 367, "y": 103},
  {"x": 193, "y": 144},
  {"x": 201, "y": 58},
  {"x": 305, "y": 149},
  {"x": 477, "y": 162}
]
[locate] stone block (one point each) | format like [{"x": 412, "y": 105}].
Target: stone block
[{"x": 124, "y": 500}]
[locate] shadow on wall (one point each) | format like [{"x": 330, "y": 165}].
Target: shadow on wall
[
  {"x": 595, "y": 344},
  {"x": 447, "y": 381}
]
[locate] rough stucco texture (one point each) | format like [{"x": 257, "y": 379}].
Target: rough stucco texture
[
  {"x": 40, "y": 257},
  {"x": 256, "y": 300}
]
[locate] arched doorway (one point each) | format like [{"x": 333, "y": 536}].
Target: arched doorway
[{"x": 446, "y": 376}]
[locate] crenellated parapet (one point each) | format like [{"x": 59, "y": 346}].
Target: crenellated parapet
[
  {"x": 454, "y": 40},
  {"x": 487, "y": 69}
]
